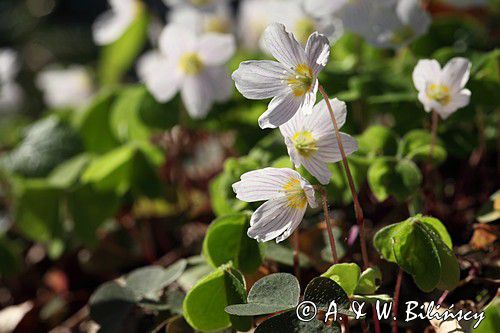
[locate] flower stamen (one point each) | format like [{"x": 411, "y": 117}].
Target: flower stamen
[
  {"x": 305, "y": 143},
  {"x": 301, "y": 80},
  {"x": 295, "y": 194},
  {"x": 191, "y": 64},
  {"x": 438, "y": 92}
]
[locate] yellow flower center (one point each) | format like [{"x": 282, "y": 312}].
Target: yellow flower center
[
  {"x": 305, "y": 143},
  {"x": 301, "y": 81},
  {"x": 303, "y": 29},
  {"x": 295, "y": 194},
  {"x": 191, "y": 64},
  {"x": 438, "y": 92}
]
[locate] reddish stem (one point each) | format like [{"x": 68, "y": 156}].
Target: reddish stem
[
  {"x": 396, "y": 301},
  {"x": 296, "y": 247},
  {"x": 357, "y": 206},
  {"x": 329, "y": 225}
]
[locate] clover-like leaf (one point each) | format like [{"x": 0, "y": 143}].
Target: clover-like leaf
[
  {"x": 346, "y": 275},
  {"x": 226, "y": 240},
  {"x": 322, "y": 291},
  {"x": 369, "y": 281},
  {"x": 416, "y": 145},
  {"x": 273, "y": 293},
  {"x": 203, "y": 307},
  {"x": 147, "y": 282},
  {"x": 421, "y": 247},
  {"x": 287, "y": 322},
  {"x": 399, "y": 178},
  {"x": 378, "y": 140},
  {"x": 110, "y": 305}
]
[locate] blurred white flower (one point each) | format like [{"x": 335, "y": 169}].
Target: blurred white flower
[
  {"x": 442, "y": 90},
  {"x": 292, "y": 81},
  {"x": 256, "y": 15},
  {"x": 385, "y": 23},
  {"x": 192, "y": 64},
  {"x": 324, "y": 6},
  {"x": 65, "y": 88},
  {"x": 10, "y": 92},
  {"x": 286, "y": 194},
  {"x": 218, "y": 19},
  {"x": 111, "y": 25},
  {"x": 311, "y": 140}
]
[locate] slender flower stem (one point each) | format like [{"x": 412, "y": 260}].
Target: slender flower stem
[
  {"x": 329, "y": 224},
  {"x": 357, "y": 207},
  {"x": 397, "y": 289},
  {"x": 296, "y": 246},
  {"x": 443, "y": 297},
  {"x": 435, "y": 121}
]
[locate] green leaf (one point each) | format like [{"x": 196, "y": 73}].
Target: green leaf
[
  {"x": 110, "y": 305},
  {"x": 284, "y": 255},
  {"x": 400, "y": 179},
  {"x": 204, "y": 305},
  {"x": 118, "y": 57},
  {"x": 112, "y": 171},
  {"x": 10, "y": 257},
  {"x": 221, "y": 192},
  {"x": 67, "y": 173},
  {"x": 126, "y": 122},
  {"x": 346, "y": 275},
  {"x": 416, "y": 146},
  {"x": 322, "y": 291},
  {"x": 37, "y": 209},
  {"x": 47, "y": 143},
  {"x": 287, "y": 322},
  {"x": 377, "y": 140},
  {"x": 369, "y": 281},
  {"x": 420, "y": 248},
  {"x": 89, "y": 209},
  {"x": 491, "y": 317},
  {"x": 148, "y": 282},
  {"x": 273, "y": 293},
  {"x": 93, "y": 124},
  {"x": 226, "y": 240}
]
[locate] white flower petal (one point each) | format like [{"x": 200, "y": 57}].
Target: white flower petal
[
  {"x": 216, "y": 49},
  {"x": 328, "y": 147},
  {"x": 11, "y": 96},
  {"x": 197, "y": 95},
  {"x": 322, "y": 7},
  {"x": 317, "y": 52},
  {"x": 321, "y": 122},
  {"x": 175, "y": 40},
  {"x": 426, "y": 71},
  {"x": 260, "y": 79},
  {"x": 272, "y": 219},
  {"x": 317, "y": 168},
  {"x": 280, "y": 110},
  {"x": 159, "y": 75},
  {"x": 222, "y": 86},
  {"x": 283, "y": 46},
  {"x": 429, "y": 104},
  {"x": 9, "y": 65},
  {"x": 411, "y": 14},
  {"x": 458, "y": 100},
  {"x": 456, "y": 73},
  {"x": 111, "y": 25},
  {"x": 263, "y": 184}
]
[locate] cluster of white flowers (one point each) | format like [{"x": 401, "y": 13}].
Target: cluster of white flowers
[
  {"x": 10, "y": 92},
  {"x": 306, "y": 128}
]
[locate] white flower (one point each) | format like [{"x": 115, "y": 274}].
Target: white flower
[
  {"x": 10, "y": 92},
  {"x": 191, "y": 64},
  {"x": 62, "y": 88},
  {"x": 218, "y": 19},
  {"x": 442, "y": 90},
  {"x": 324, "y": 6},
  {"x": 111, "y": 25},
  {"x": 386, "y": 23},
  {"x": 311, "y": 140},
  {"x": 256, "y": 15},
  {"x": 286, "y": 194},
  {"x": 292, "y": 82}
]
